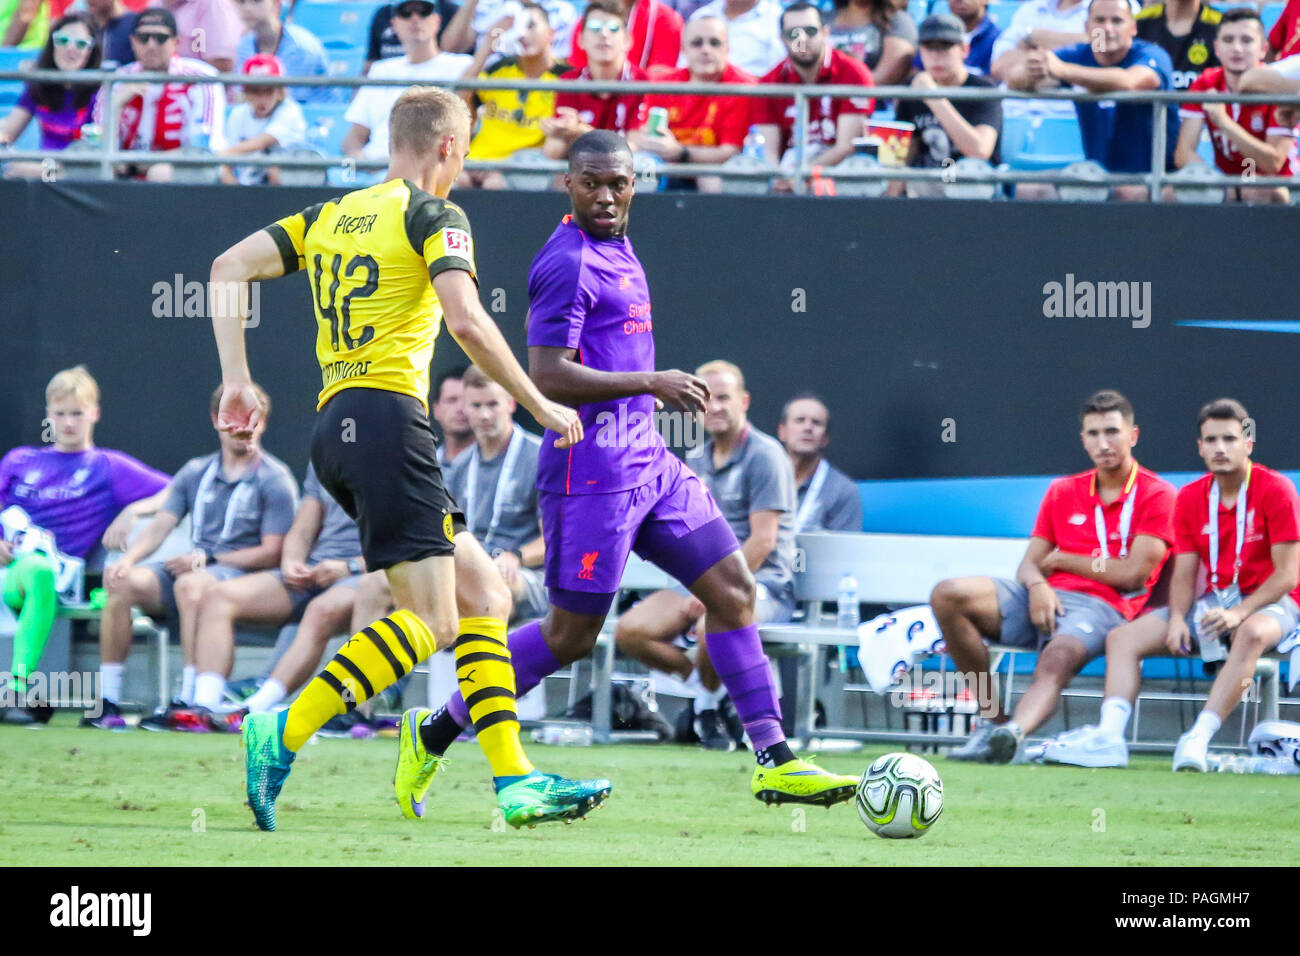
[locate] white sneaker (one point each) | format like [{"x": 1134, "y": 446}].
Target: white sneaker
[
  {"x": 1086, "y": 747},
  {"x": 1191, "y": 753}
]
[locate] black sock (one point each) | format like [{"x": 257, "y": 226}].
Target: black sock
[
  {"x": 774, "y": 755},
  {"x": 439, "y": 732}
]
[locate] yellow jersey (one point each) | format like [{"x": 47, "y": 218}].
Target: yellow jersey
[
  {"x": 511, "y": 120},
  {"x": 370, "y": 259}
]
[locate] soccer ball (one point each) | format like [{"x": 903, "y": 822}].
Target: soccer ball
[{"x": 900, "y": 796}]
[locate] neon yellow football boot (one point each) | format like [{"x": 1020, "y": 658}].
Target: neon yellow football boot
[{"x": 801, "y": 781}]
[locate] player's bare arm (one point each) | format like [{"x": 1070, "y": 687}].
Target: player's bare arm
[
  {"x": 763, "y": 528},
  {"x": 1182, "y": 591},
  {"x": 565, "y": 380},
  {"x": 1123, "y": 574},
  {"x": 259, "y": 557},
  {"x": 1044, "y": 605},
  {"x": 252, "y": 258},
  {"x": 486, "y": 347},
  {"x": 1283, "y": 580}
]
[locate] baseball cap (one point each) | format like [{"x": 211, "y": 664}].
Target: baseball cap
[
  {"x": 156, "y": 17},
  {"x": 424, "y": 3},
  {"x": 941, "y": 28},
  {"x": 262, "y": 64}
]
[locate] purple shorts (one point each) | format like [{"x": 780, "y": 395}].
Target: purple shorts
[{"x": 672, "y": 521}]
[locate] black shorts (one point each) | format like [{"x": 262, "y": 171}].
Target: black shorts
[{"x": 374, "y": 452}]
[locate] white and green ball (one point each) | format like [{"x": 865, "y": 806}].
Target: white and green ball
[{"x": 900, "y": 796}]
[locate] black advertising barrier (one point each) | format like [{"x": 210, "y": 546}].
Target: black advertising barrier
[{"x": 949, "y": 338}]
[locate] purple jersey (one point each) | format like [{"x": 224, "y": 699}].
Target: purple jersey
[
  {"x": 75, "y": 495},
  {"x": 591, "y": 295}
]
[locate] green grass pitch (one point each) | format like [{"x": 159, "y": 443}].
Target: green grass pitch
[{"x": 93, "y": 798}]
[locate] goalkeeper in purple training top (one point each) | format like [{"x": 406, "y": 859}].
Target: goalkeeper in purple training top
[{"x": 591, "y": 346}]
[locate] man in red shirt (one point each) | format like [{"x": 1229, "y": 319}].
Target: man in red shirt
[
  {"x": 604, "y": 36},
  {"x": 1284, "y": 38},
  {"x": 833, "y": 122},
  {"x": 1096, "y": 550},
  {"x": 1249, "y": 139},
  {"x": 700, "y": 129},
  {"x": 1251, "y": 555},
  {"x": 656, "y": 36}
]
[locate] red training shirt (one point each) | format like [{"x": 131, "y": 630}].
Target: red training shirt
[
  {"x": 1067, "y": 519},
  {"x": 705, "y": 120},
  {"x": 620, "y": 112},
  {"x": 838, "y": 68},
  {"x": 1258, "y": 119},
  {"x": 1272, "y": 517},
  {"x": 656, "y": 37},
  {"x": 1285, "y": 35}
]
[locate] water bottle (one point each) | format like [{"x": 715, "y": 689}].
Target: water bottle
[
  {"x": 1246, "y": 763},
  {"x": 564, "y": 733},
  {"x": 846, "y": 604},
  {"x": 755, "y": 145}
]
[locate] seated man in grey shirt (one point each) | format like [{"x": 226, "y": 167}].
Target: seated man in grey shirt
[
  {"x": 316, "y": 583},
  {"x": 241, "y": 501},
  {"x": 750, "y": 476},
  {"x": 495, "y": 483},
  {"x": 828, "y": 498}
]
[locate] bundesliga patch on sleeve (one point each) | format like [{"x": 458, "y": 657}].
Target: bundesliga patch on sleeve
[{"x": 456, "y": 242}]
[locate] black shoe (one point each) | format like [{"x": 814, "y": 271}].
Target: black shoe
[
  {"x": 164, "y": 717},
  {"x": 341, "y": 725},
  {"x": 732, "y": 720},
  {"x": 110, "y": 717},
  {"x": 713, "y": 732}
]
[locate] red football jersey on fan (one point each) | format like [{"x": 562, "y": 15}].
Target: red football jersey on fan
[
  {"x": 656, "y": 37},
  {"x": 705, "y": 120},
  {"x": 1272, "y": 517},
  {"x": 839, "y": 69},
  {"x": 1285, "y": 35},
  {"x": 619, "y": 112},
  {"x": 1067, "y": 519},
  {"x": 1258, "y": 119}
]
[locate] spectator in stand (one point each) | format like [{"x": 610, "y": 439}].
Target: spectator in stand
[
  {"x": 1249, "y": 139},
  {"x": 700, "y": 129},
  {"x": 383, "y": 42},
  {"x": 1118, "y": 136},
  {"x": 980, "y": 31},
  {"x": 879, "y": 33},
  {"x": 449, "y": 412},
  {"x": 61, "y": 109},
  {"x": 268, "y": 120},
  {"x": 655, "y": 35},
  {"x": 510, "y": 120},
  {"x": 828, "y": 499},
  {"x": 1039, "y": 24},
  {"x": 114, "y": 21},
  {"x": 833, "y": 122},
  {"x": 298, "y": 50},
  {"x": 605, "y": 40},
  {"x": 208, "y": 30},
  {"x": 1284, "y": 38},
  {"x": 947, "y": 131},
  {"x": 416, "y": 22},
  {"x": 495, "y": 482},
  {"x": 23, "y": 24},
  {"x": 316, "y": 583},
  {"x": 241, "y": 501},
  {"x": 753, "y": 32},
  {"x": 1185, "y": 30},
  {"x": 163, "y": 117},
  {"x": 78, "y": 493},
  {"x": 474, "y": 19}
]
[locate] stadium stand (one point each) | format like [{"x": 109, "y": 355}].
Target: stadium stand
[{"x": 1041, "y": 142}]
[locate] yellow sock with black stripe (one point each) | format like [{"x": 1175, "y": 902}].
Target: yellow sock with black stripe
[
  {"x": 487, "y": 682},
  {"x": 375, "y": 657}
]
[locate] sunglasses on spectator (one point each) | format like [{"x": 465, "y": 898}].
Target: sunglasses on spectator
[
  {"x": 159, "y": 38},
  {"x": 77, "y": 43},
  {"x": 711, "y": 41},
  {"x": 405, "y": 13},
  {"x": 795, "y": 32},
  {"x": 609, "y": 26}
]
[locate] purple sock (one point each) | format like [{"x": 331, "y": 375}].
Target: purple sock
[
  {"x": 532, "y": 660},
  {"x": 739, "y": 660}
]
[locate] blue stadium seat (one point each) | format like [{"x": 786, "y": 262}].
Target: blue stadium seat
[
  {"x": 1270, "y": 14},
  {"x": 326, "y": 127},
  {"x": 10, "y": 90},
  {"x": 918, "y": 9},
  {"x": 1001, "y": 11},
  {"x": 13, "y": 59},
  {"x": 346, "y": 59},
  {"x": 1041, "y": 142},
  {"x": 1205, "y": 149},
  {"x": 336, "y": 19},
  {"x": 939, "y": 6}
]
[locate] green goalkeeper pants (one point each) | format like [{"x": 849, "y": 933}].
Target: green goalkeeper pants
[{"x": 29, "y": 592}]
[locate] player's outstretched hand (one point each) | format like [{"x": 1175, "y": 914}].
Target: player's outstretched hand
[
  {"x": 562, "y": 420},
  {"x": 680, "y": 389},
  {"x": 240, "y": 410}
]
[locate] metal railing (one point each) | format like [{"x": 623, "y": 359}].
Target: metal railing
[{"x": 109, "y": 155}]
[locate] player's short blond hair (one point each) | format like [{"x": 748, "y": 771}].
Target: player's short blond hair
[
  {"x": 722, "y": 367},
  {"x": 422, "y": 116},
  {"x": 76, "y": 381}
]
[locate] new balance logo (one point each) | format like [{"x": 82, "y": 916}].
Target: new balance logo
[{"x": 588, "y": 565}]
